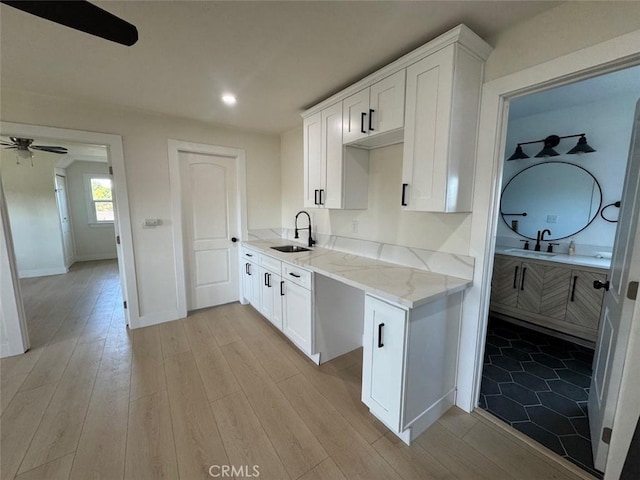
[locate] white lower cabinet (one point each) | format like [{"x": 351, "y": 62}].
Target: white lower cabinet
[
  {"x": 409, "y": 362},
  {"x": 298, "y": 320},
  {"x": 271, "y": 297}
]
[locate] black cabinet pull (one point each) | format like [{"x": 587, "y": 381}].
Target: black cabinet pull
[
  {"x": 403, "y": 202},
  {"x": 246, "y": 269},
  {"x": 321, "y": 196},
  {"x": 249, "y": 268},
  {"x": 266, "y": 281},
  {"x": 282, "y": 288},
  {"x": 515, "y": 278},
  {"x": 248, "y": 255},
  {"x": 524, "y": 271},
  {"x": 573, "y": 289},
  {"x": 315, "y": 197},
  {"x": 294, "y": 275},
  {"x": 371, "y": 119},
  {"x": 362, "y": 115},
  {"x": 380, "y": 344}
]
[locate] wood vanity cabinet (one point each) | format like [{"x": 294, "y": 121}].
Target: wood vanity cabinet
[{"x": 553, "y": 295}]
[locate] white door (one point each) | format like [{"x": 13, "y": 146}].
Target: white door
[
  {"x": 65, "y": 219},
  {"x": 617, "y": 310},
  {"x": 210, "y": 213}
]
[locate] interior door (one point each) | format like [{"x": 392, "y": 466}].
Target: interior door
[
  {"x": 210, "y": 213},
  {"x": 617, "y": 311},
  {"x": 65, "y": 219}
]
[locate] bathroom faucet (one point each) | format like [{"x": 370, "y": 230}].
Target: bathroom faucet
[
  {"x": 311, "y": 240},
  {"x": 540, "y": 238}
]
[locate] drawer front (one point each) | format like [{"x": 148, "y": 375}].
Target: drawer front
[
  {"x": 272, "y": 264},
  {"x": 296, "y": 275},
  {"x": 249, "y": 254}
]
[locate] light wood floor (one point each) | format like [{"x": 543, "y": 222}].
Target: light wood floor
[{"x": 92, "y": 399}]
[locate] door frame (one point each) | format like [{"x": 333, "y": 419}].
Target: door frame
[
  {"x": 175, "y": 147},
  {"x": 115, "y": 151},
  {"x": 615, "y": 54}
]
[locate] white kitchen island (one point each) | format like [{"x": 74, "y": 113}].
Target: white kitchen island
[{"x": 406, "y": 319}]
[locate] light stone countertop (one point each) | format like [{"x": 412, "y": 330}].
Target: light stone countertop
[
  {"x": 578, "y": 260},
  {"x": 409, "y": 287}
]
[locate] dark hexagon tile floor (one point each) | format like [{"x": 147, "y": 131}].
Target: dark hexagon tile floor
[{"x": 539, "y": 385}]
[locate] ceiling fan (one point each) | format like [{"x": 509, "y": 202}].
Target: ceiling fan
[
  {"x": 24, "y": 148},
  {"x": 81, "y": 15}
]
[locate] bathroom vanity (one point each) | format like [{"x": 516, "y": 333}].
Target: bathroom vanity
[{"x": 554, "y": 291}]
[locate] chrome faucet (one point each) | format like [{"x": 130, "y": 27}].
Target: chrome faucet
[
  {"x": 540, "y": 238},
  {"x": 311, "y": 240}
]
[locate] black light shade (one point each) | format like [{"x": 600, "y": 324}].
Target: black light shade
[
  {"x": 548, "y": 151},
  {"x": 518, "y": 154},
  {"x": 581, "y": 147}
]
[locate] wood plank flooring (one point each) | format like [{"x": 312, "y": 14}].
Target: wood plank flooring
[{"x": 92, "y": 399}]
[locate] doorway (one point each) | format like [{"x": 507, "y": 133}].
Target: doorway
[
  {"x": 209, "y": 204},
  {"x": 543, "y": 321},
  {"x": 13, "y": 316}
]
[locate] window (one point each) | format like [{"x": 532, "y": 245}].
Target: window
[{"x": 100, "y": 199}]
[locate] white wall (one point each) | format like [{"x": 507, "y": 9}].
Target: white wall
[
  {"x": 608, "y": 126},
  {"x": 145, "y": 138},
  {"x": 33, "y": 213},
  {"x": 383, "y": 221},
  {"x": 91, "y": 242}
]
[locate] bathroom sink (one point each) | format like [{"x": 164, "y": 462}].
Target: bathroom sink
[
  {"x": 529, "y": 253},
  {"x": 290, "y": 248}
]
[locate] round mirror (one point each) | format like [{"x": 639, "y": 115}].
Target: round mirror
[{"x": 557, "y": 196}]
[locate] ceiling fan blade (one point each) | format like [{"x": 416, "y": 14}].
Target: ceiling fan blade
[
  {"x": 5, "y": 143},
  {"x": 48, "y": 148},
  {"x": 81, "y": 15},
  {"x": 10, "y": 147}
]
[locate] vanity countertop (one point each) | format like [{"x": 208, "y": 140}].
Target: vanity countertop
[
  {"x": 410, "y": 287},
  {"x": 578, "y": 260}
]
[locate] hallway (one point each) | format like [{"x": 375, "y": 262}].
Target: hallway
[{"x": 220, "y": 388}]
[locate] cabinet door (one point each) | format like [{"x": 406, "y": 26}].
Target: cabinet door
[
  {"x": 505, "y": 281},
  {"x": 247, "y": 282},
  {"x": 297, "y": 316},
  {"x": 254, "y": 273},
  {"x": 313, "y": 169},
  {"x": 332, "y": 169},
  {"x": 530, "y": 292},
  {"x": 426, "y": 132},
  {"x": 386, "y": 104},
  {"x": 555, "y": 292},
  {"x": 383, "y": 359},
  {"x": 266, "y": 294},
  {"x": 355, "y": 116},
  {"x": 585, "y": 302},
  {"x": 278, "y": 295}
]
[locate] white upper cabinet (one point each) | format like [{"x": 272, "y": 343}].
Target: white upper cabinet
[
  {"x": 428, "y": 99},
  {"x": 335, "y": 176},
  {"x": 375, "y": 111},
  {"x": 441, "y": 118}
]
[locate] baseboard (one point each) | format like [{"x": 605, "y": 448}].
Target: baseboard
[
  {"x": 95, "y": 256},
  {"x": 432, "y": 414},
  {"x": 42, "y": 272},
  {"x": 155, "y": 318}
]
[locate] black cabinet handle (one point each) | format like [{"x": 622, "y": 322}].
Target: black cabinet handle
[
  {"x": 597, "y": 284},
  {"x": 380, "y": 344},
  {"x": 362, "y": 115},
  {"x": 573, "y": 289},
  {"x": 248, "y": 255},
  {"x": 403, "y": 202},
  {"x": 246, "y": 269},
  {"x": 524, "y": 271},
  {"x": 294, "y": 275},
  {"x": 266, "y": 281},
  {"x": 371, "y": 119},
  {"x": 282, "y": 288},
  {"x": 315, "y": 197},
  {"x": 321, "y": 196},
  {"x": 249, "y": 268},
  {"x": 515, "y": 278}
]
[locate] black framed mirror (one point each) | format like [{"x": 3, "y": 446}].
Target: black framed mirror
[{"x": 558, "y": 196}]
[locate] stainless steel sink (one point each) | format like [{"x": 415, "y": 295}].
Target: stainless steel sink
[{"x": 291, "y": 248}]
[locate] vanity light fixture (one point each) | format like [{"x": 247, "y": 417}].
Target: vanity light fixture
[{"x": 549, "y": 143}]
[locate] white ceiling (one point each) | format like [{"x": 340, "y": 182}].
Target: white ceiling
[
  {"x": 594, "y": 89},
  {"x": 278, "y": 57}
]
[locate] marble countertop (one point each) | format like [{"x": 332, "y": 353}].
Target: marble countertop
[
  {"x": 579, "y": 260},
  {"x": 410, "y": 287}
]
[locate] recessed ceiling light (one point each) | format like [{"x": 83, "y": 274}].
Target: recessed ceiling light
[{"x": 229, "y": 99}]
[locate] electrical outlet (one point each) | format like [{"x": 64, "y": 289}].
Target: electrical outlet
[
  {"x": 552, "y": 218},
  {"x": 152, "y": 222},
  {"x": 354, "y": 226}
]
